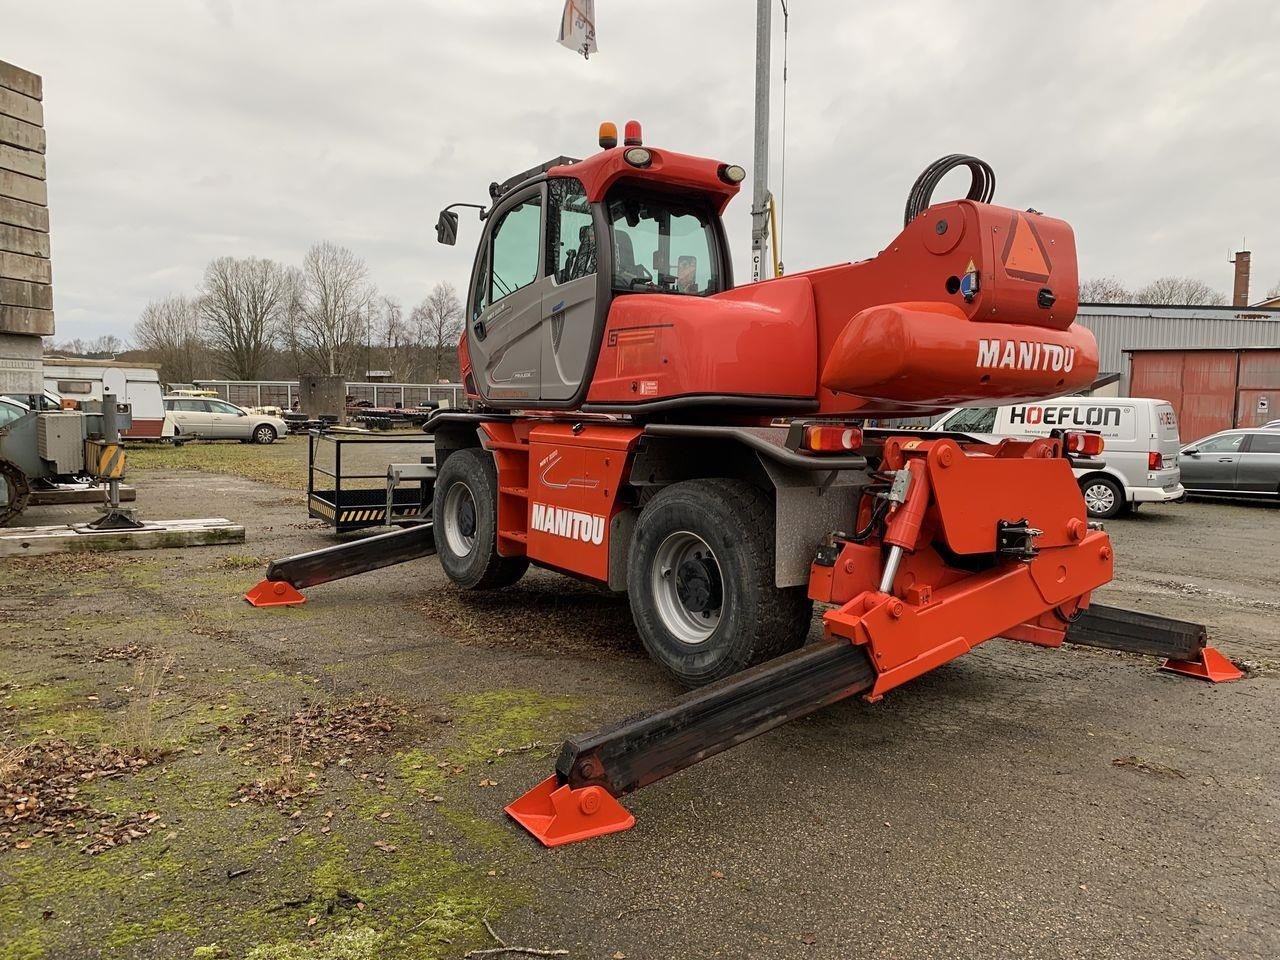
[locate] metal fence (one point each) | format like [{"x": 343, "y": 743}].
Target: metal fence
[{"x": 281, "y": 393}]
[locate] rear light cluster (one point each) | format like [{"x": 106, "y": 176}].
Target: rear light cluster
[
  {"x": 1083, "y": 444},
  {"x": 1155, "y": 460},
  {"x": 831, "y": 439}
]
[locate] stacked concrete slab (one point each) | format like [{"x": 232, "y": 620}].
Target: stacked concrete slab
[{"x": 26, "y": 291}]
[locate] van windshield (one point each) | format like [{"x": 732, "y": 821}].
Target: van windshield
[
  {"x": 662, "y": 244},
  {"x": 973, "y": 420}
]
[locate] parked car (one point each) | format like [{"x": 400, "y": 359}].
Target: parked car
[
  {"x": 1243, "y": 462},
  {"x": 212, "y": 419},
  {"x": 1273, "y": 425},
  {"x": 1140, "y": 436}
]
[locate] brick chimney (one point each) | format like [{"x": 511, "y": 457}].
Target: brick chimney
[{"x": 1240, "y": 295}]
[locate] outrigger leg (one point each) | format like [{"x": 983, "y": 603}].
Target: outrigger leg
[{"x": 287, "y": 575}]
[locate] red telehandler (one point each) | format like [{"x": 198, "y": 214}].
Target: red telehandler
[{"x": 637, "y": 420}]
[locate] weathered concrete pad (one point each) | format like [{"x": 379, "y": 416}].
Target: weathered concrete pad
[
  {"x": 155, "y": 534},
  {"x": 76, "y": 493}
]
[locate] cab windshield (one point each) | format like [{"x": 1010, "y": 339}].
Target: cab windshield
[{"x": 662, "y": 245}]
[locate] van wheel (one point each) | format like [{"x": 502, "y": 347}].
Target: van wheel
[
  {"x": 700, "y": 576},
  {"x": 1103, "y": 497},
  {"x": 464, "y": 514}
]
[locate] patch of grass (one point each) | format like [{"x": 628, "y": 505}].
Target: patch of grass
[{"x": 282, "y": 464}]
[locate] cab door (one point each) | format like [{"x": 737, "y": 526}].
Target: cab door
[
  {"x": 569, "y": 315},
  {"x": 504, "y": 311}
]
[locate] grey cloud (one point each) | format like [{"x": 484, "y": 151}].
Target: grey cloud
[{"x": 181, "y": 131}]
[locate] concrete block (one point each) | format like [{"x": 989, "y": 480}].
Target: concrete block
[
  {"x": 78, "y": 538},
  {"x": 20, "y": 368},
  {"x": 18, "y": 133},
  {"x": 27, "y": 189},
  {"x": 26, "y": 320},
  {"x": 26, "y": 162},
  {"x": 31, "y": 216},
  {"x": 19, "y": 293},
  {"x": 14, "y": 266},
  {"x": 30, "y": 243},
  {"x": 24, "y": 81},
  {"x": 21, "y": 107}
]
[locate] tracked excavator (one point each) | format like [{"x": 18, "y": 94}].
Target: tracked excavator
[{"x": 712, "y": 450}]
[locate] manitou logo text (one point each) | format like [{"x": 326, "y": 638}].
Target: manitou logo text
[
  {"x": 570, "y": 524},
  {"x": 1025, "y": 355}
]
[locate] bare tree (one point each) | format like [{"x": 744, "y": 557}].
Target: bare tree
[
  {"x": 242, "y": 305},
  {"x": 1179, "y": 291},
  {"x": 395, "y": 337},
  {"x": 1104, "y": 290},
  {"x": 169, "y": 330},
  {"x": 331, "y": 310},
  {"x": 438, "y": 318}
]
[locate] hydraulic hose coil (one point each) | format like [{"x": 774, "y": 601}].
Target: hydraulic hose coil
[{"x": 982, "y": 188}]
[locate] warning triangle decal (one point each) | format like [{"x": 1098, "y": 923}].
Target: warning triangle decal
[{"x": 1024, "y": 255}]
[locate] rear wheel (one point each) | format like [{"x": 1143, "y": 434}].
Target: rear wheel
[
  {"x": 701, "y": 582},
  {"x": 1103, "y": 497},
  {"x": 15, "y": 491},
  {"x": 465, "y": 518}
]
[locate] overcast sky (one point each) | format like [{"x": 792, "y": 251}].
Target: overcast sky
[{"x": 182, "y": 130}]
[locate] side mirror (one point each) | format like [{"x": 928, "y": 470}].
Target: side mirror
[
  {"x": 447, "y": 228},
  {"x": 1191, "y": 452}
]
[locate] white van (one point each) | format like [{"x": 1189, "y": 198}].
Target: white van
[{"x": 1140, "y": 437}]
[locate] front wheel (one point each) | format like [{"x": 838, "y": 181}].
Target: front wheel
[
  {"x": 700, "y": 576},
  {"x": 264, "y": 433},
  {"x": 464, "y": 515},
  {"x": 1103, "y": 497}
]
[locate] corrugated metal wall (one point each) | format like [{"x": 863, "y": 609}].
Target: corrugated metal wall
[
  {"x": 1211, "y": 390},
  {"x": 1120, "y": 328}
]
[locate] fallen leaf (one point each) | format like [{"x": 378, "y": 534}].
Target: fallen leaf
[
  {"x": 717, "y": 875},
  {"x": 384, "y": 846},
  {"x": 619, "y": 956},
  {"x": 312, "y": 921}
]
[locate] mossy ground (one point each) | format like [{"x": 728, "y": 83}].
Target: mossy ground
[
  {"x": 281, "y": 464},
  {"x": 387, "y": 856}
]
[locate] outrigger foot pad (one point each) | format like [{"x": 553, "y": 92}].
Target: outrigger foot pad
[
  {"x": 274, "y": 593},
  {"x": 1211, "y": 666},
  {"x": 557, "y": 813}
]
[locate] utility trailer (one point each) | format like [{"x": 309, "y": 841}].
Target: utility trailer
[
  {"x": 638, "y": 420},
  {"x": 350, "y": 487}
]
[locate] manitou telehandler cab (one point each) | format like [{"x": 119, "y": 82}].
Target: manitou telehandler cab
[{"x": 638, "y": 420}]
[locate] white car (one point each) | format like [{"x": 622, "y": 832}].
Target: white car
[
  {"x": 208, "y": 418},
  {"x": 1140, "y": 436}
]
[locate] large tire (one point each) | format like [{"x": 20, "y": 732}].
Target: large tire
[
  {"x": 465, "y": 517},
  {"x": 1103, "y": 497},
  {"x": 15, "y": 491},
  {"x": 700, "y": 575}
]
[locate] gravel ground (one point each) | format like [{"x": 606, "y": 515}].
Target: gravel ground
[{"x": 1017, "y": 802}]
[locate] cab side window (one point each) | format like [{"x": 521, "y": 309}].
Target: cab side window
[
  {"x": 571, "y": 238},
  {"x": 514, "y": 248}
]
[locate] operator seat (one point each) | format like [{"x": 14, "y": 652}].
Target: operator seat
[
  {"x": 624, "y": 258},
  {"x": 584, "y": 264}
]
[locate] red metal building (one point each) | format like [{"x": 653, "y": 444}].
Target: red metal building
[{"x": 1211, "y": 389}]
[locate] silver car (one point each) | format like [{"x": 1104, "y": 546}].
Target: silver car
[
  {"x": 1234, "y": 461},
  {"x": 208, "y": 418}
]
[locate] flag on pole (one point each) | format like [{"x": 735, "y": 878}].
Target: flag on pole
[{"x": 578, "y": 26}]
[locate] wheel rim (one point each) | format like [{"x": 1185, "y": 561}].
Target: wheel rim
[
  {"x": 687, "y": 586},
  {"x": 1099, "y": 498},
  {"x": 264, "y": 434},
  {"x": 460, "y": 519}
]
